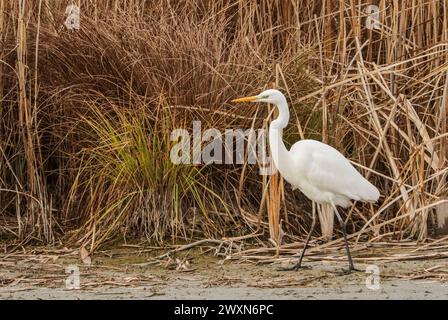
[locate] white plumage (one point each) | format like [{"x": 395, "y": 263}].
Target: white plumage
[
  {"x": 321, "y": 172},
  {"x": 326, "y": 175}
]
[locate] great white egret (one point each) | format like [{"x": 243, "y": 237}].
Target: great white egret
[{"x": 320, "y": 171}]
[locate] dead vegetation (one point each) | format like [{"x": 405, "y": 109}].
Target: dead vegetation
[
  {"x": 140, "y": 267},
  {"x": 86, "y": 116}
]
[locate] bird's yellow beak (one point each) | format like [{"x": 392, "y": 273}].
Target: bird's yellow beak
[{"x": 246, "y": 99}]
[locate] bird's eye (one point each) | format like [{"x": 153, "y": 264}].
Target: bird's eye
[{"x": 265, "y": 97}]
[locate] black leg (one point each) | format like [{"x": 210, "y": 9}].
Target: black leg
[
  {"x": 298, "y": 265},
  {"x": 351, "y": 266}
]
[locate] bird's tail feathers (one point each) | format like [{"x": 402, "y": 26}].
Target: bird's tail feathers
[{"x": 369, "y": 192}]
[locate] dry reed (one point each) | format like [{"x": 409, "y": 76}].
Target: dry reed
[{"x": 85, "y": 115}]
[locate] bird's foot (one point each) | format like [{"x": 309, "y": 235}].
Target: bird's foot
[
  {"x": 348, "y": 271},
  {"x": 294, "y": 267}
]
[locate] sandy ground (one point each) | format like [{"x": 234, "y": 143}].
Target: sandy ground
[{"x": 129, "y": 276}]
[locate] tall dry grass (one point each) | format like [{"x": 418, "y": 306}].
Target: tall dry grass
[{"x": 85, "y": 115}]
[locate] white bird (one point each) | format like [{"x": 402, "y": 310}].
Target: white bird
[{"x": 320, "y": 171}]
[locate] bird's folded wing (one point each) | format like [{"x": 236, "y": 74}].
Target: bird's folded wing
[{"x": 330, "y": 171}]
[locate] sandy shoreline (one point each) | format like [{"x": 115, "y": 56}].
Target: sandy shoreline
[{"x": 205, "y": 277}]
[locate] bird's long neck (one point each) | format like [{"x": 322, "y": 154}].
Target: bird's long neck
[{"x": 279, "y": 153}]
